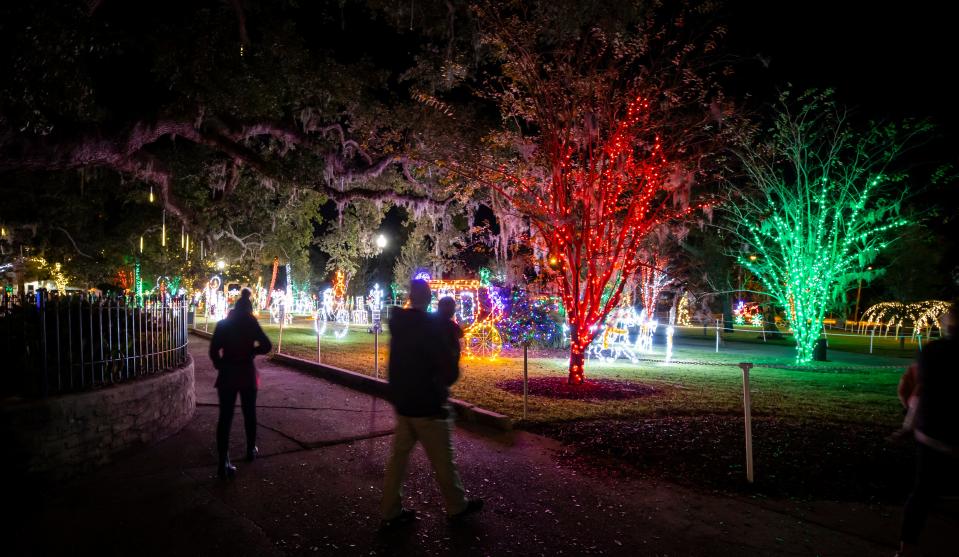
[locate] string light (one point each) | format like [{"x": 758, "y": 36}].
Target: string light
[
  {"x": 614, "y": 343},
  {"x": 482, "y": 339},
  {"x": 602, "y": 196},
  {"x": 922, "y": 315},
  {"x": 682, "y": 311},
  {"x": 819, "y": 220}
]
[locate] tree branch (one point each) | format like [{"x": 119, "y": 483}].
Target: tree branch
[{"x": 72, "y": 241}]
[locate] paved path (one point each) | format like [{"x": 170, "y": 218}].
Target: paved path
[{"x": 316, "y": 490}]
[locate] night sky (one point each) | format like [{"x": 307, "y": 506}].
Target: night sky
[
  {"x": 884, "y": 63},
  {"x": 889, "y": 63}
]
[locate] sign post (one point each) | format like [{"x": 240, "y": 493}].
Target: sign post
[
  {"x": 717, "y": 336},
  {"x": 747, "y": 410},
  {"x": 279, "y": 342},
  {"x": 525, "y": 376},
  {"x": 376, "y": 348}
]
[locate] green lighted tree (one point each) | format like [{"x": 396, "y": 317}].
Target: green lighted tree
[{"x": 825, "y": 203}]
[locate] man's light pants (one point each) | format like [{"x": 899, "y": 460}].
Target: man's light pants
[{"x": 436, "y": 436}]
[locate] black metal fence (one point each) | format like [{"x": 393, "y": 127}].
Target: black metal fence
[{"x": 57, "y": 344}]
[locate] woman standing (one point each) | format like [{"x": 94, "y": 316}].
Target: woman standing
[{"x": 236, "y": 341}]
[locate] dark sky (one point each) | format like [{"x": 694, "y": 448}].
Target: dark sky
[{"x": 888, "y": 62}]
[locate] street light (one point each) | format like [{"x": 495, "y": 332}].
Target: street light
[
  {"x": 221, "y": 264},
  {"x": 381, "y": 241}
]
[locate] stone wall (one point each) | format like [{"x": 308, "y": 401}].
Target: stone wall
[{"x": 52, "y": 439}]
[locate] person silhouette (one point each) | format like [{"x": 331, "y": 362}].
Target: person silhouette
[
  {"x": 450, "y": 334},
  {"x": 936, "y": 430},
  {"x": 419, "y": 381},
  {"x": 237, "y": 340}
]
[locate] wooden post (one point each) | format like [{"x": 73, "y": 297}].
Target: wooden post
[
  {"x": 279, "y": 342},
  {"x": 317, "y": 329},
  {"x": 376, "y": 350},
  {"x": 747, "y": 411},
  {"x": 525, "y": 377}
]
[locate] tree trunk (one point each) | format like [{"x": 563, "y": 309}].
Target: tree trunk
[
  {"x": 577, "y": 357},
  {"x": 727, "y": 307},
  {"x": 769, "y": 323}
]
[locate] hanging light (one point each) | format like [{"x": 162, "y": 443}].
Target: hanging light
[
  {"x": 141, "y": 244},
  {"x": 163, "y": 231},
  {"x": 151, "y": 194}
]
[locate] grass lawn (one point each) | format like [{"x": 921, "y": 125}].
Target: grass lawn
[
  {"x": 838, "y": 339},
  {"x": 854, "y": 387}
]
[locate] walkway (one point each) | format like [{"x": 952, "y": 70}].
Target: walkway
[{"x": 316, "y": 488}]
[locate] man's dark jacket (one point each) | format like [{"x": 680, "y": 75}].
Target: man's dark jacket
[
  {"x": 241, "y": 338},
  {"x": 418, "y": 365},
  {"x": 937, "y": 415}
]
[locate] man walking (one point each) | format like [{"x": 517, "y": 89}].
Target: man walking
[{"x": 419, "y": 388}]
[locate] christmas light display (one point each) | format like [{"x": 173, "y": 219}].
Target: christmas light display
[
  {"x": 162, "y": 288},
  {"x": 530, "y": 320},
  {"x": 124, "y": 279},
  {"x": 821, "y": 216},
  {"x": 339, "y": 285},
  {"x": 682, "y": 311},
  {"x": 332, "y": 310},
  {"x": 747, "y": 312},
  {"x": 482, "y": 339},
  {"x": 59, "y": 278},
  {"x": 289, "y": 287},
  {"x": 921, "y": 316},
  {"x": 359, "y": 315},
  {"x": 464, "y": 291},
  {"x": 603, "y": 193},
  {"x": 303, "y": 305},
  {"x": 375, "y": 301},
  {"x": 612, "y": 342},
  {"x": 653, "y": 278},
  {"x": 214, "y": 298},
  {"x": 138, "y": 282},
  {"x": 276, "y": 267}
]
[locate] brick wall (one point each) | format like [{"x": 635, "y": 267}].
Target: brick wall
[{"x": 52, "y": 439}]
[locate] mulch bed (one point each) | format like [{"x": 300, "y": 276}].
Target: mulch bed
[
  {"x": 802, "y": 459},
  {"x": 591, "y": 389}
]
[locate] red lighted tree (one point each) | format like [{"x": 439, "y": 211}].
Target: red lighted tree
[{"x": 608, "y": 134}]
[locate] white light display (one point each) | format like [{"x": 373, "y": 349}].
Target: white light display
[{"x": 613, "y": 342}]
